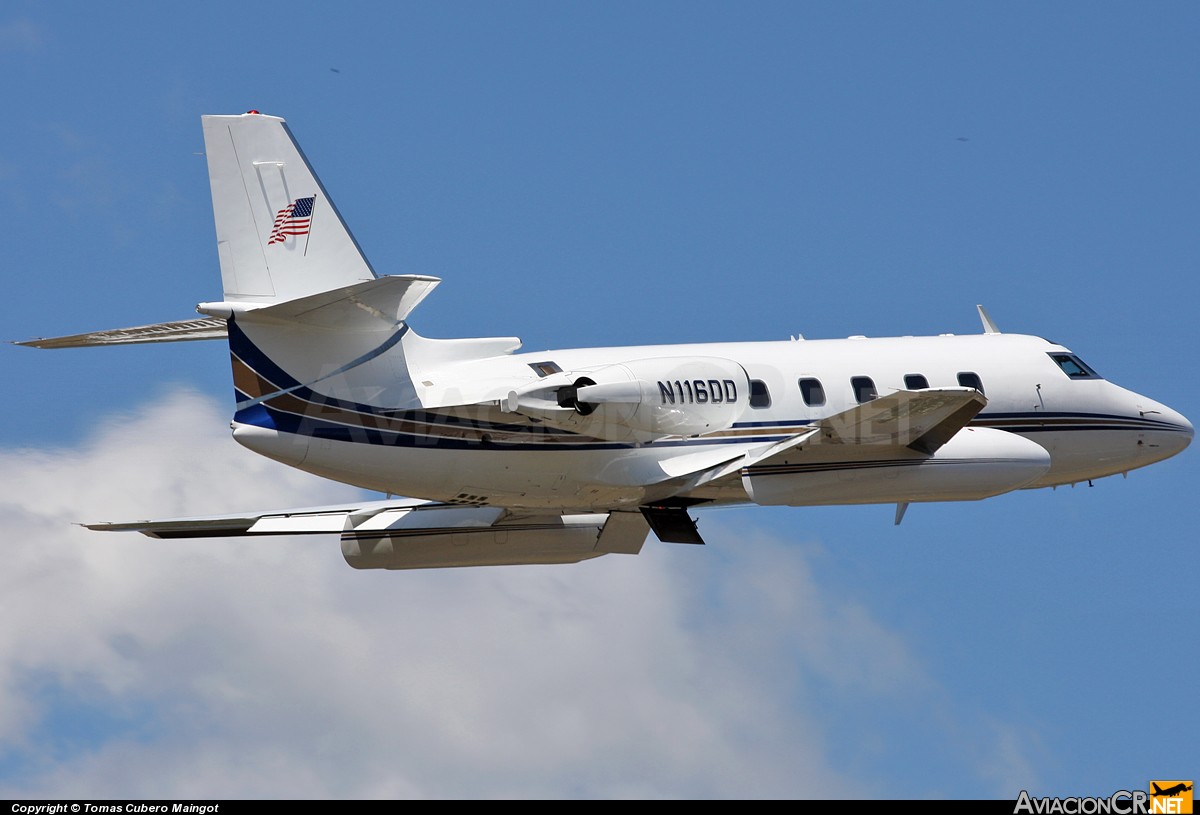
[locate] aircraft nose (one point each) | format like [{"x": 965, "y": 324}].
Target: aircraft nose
[
  {"x": 1168, "y": 432},
  {"x": 1186, "y": 432}
]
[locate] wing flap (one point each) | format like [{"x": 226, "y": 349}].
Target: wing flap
[
  {"x": 321, "y": 520},
  {"x": 758, "y": 454}
]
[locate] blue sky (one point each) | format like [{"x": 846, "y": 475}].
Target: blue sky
[{"x": 602, "y": 174}]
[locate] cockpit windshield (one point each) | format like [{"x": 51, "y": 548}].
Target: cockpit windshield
[{"x": 1074, "y": 367}]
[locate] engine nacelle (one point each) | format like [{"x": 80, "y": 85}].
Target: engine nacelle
[{"x": 650, "y": 398}]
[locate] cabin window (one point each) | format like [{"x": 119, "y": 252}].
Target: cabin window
[
  {"x": 970, "y": 380},
  {"x": 1074, "y": 367},
  {"x": 916, "y": 382},
  {"x": 545, "y": 368},
  {"x": 864, "y": 389},
  {"x": 760, "y": 397},
  {"x": 813, "y": 392}
]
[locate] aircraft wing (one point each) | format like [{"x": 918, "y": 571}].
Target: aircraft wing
[
  {"x": 411, "y": 534},
  {"x": 414, "y": 534},
  {"x": 922, "y": 420},
  {"x": 205, "y": 328}
]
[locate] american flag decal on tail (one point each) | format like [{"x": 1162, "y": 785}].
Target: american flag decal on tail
[{"x": 294, "y": 219}]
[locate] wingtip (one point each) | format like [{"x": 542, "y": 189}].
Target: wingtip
[{"x": 989, "y": 326}]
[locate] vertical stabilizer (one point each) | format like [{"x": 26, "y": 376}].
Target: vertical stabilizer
[{"x": 279, "y": 235}]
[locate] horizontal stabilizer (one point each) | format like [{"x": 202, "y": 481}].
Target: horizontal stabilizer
[
  {"x": 205, "y": 328},
  {"x": 411, "y": 534},
  {"x": 390, "y": 299}
]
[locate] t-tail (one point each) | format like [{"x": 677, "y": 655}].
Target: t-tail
[
  {"x": 307, "y": 315},
  {"x": 280, "y": 239},
  {"x": 279, "y": 235},
  {"x": 301, "y": 305}
]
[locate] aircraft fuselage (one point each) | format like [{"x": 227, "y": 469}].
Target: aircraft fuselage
[{"x": 1082, "y": 427}]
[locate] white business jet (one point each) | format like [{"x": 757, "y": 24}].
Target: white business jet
[{"x": 561, "y": 456}]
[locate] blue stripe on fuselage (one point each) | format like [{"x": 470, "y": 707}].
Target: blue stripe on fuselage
[{"x": 542, "y": 437}]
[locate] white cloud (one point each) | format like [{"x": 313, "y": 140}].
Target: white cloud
[{"x": 268, "y": 668}]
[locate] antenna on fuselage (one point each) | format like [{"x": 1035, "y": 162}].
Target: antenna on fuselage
[{"x": 989, "y": 327}]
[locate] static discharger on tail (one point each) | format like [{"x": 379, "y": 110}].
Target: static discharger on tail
[{"x": 562, "y": 456}]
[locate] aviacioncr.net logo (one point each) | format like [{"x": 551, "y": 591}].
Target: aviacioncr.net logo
[
  {"x": 1121, "y": 802},
  {"x": 1163, "y": 798}
]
